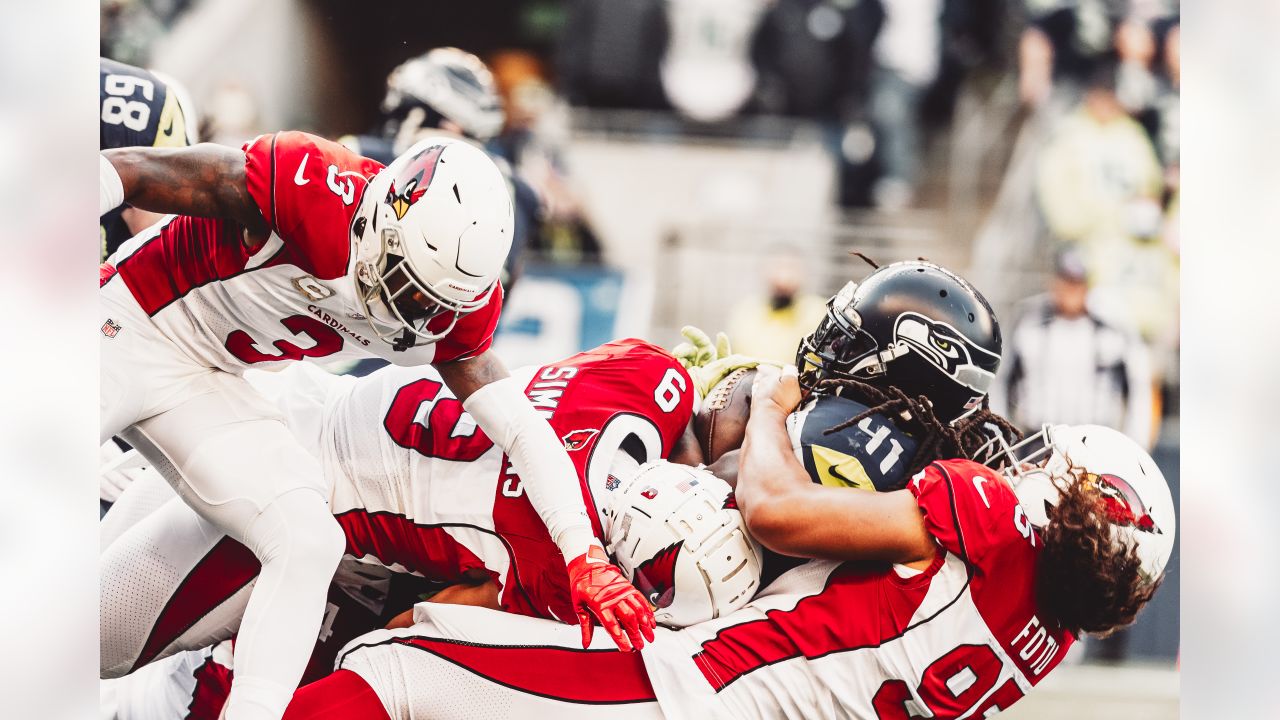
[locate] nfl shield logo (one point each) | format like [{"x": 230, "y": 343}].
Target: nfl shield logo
[{"x": 109, "y": 328}]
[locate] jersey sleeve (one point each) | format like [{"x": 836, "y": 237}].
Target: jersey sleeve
[
  {"x": 473, "y": 334},
  {"x": 307, "y": 188},
  {"x": 968, "y": 509}
]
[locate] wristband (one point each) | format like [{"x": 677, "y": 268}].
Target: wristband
[{"x": 110, "y": 188}]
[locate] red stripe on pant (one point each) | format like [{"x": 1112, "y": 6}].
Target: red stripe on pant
[
  {"x": 221, "y": 573},
  {"x": 343, "y": 695},
  {"x": 596, "y": 677},
  {"x": 213, "y": 685}
]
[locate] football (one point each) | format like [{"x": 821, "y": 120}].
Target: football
[{"x": 721, "y": 422}]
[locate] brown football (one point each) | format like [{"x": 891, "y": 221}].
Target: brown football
[{"x": 721, "y": 422}]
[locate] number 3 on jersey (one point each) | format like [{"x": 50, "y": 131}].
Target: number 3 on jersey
[{"x": 325, "y": 341}]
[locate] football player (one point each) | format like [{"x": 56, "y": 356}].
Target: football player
[
  {"x": 138, "y": 108},
  {"x": 293, "y": 248},
  {"x": 951, "y": 598},
  {"x": 428, "y": 493},
  {"x": 450, "y": 91}
]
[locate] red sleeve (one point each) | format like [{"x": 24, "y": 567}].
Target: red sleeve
[
  {"x": 973, "y": 513},
  {"x": 474, "y": 332},
  {"x": 967, "y": 507},
  {"x": 307, "y": 188}
]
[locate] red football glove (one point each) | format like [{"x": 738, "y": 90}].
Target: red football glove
[{"x": 598, "y": 588}]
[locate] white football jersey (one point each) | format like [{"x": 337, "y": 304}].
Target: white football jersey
[
  {"x": 291, "y": 299},
  {"x": 417, "y": 487},
  {"x": 847, "y": 640}
]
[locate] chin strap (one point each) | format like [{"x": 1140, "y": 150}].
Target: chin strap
[{"x": 404, "y": 342}]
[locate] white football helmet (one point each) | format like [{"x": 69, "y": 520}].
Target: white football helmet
[
  {"x": 1135, "y": 493},
  {"x": 445, "y": 83},
  {"x": 431, "y": 235},
  {"x": 677, "y": 535}
]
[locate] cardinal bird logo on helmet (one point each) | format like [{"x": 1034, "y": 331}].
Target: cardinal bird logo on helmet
[
  {"x": 411, "y": 183},
  {"x": 655, "y": 578},
  {"x": 1122, "y": 504}
]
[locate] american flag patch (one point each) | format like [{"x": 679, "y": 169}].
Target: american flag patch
[
  {"x": 110, "y": 329},
  {"x": 687, "y": 484}
]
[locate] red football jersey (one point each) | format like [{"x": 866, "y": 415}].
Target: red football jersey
[
  {"x": 292, "y": 298},
  {"x": 859, "y": 640},
  {"x": 431, "y": 494}
]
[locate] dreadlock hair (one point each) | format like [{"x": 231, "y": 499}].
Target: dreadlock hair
[
  {"x": 1085, "y": 582},
  {"x": 915, "y": 416}
]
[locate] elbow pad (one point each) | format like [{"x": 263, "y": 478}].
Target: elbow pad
[{"x": 110, "y": 187}]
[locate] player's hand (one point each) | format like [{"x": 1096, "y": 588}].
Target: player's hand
[
  {"x": 775, "y": 389},
  {"x": 698, "y": 350},
  {"x": 597, "y": 588}
]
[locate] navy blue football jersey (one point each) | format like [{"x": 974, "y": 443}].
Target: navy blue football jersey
[
  {"x": 135, "y": 109},
  {"x": 872, "y": 455}
]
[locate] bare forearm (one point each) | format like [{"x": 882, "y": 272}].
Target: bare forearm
[
  {"x": 790, "y": 514},
  {"x": 204, "y": 180},
  {"x": 767, "y": 466}
]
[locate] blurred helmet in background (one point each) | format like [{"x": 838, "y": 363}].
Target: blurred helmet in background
[
  {"x": 677, "y": 535},
  {"x": 444, "y": 84},
  {"x": 911, "y": 325},
  {"x": 431, "y": 234}
]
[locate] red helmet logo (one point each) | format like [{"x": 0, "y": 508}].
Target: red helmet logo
[
  {"x": 1122, "y": 504},
  {"x": 411, "y": 183},
  {"x": 655, "y": 578}
]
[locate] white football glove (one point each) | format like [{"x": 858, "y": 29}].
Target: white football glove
[
  {"x": 117, "y": 470},
  {"x": 708, "y": 363}
]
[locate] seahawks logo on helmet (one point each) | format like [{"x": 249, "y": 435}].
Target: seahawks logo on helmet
[
  {"x": 411, "y": 184},
  {"x": 947, "y": 348}
]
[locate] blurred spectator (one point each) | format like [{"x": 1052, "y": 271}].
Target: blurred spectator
[
  {"x": 1098, "y": 180},
  {"x": 610, "y": 52},
  {"x": 906, "y": 56},
  {"x": 128, "y": 28},
  {"x": 706, "y": 71},
  {"x": 814, "y": 60},
  {"x": 533, "y": 139},
  {"x": 1064, "y": 364},
  {"x": 1065, "y": 39},
  {"x": 771, "y": 327}
]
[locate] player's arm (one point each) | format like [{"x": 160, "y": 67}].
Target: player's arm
[
  {"x": 549, "y": 478},
  {"x": 686, "y": 450},
  {"x": 790, "y": 514},
  {"x": 483, "y": 595},
  {"x": 204, "y": 180}
]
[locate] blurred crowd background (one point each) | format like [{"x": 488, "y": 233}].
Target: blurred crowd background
[{"x": 715, "y": 162}]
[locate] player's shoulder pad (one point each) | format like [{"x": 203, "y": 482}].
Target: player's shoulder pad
[
  {"x": 873, "y": 454},
  {"x": 969, "y": 508}
]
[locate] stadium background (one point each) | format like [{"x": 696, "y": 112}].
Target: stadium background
[{"x": 683, "y": 150}]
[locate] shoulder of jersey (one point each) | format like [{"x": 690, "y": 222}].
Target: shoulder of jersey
[
  {"x": 872, "y": 455},
  {"x": 373, "y": 147},
  {"x": 294, "y": 144}
]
